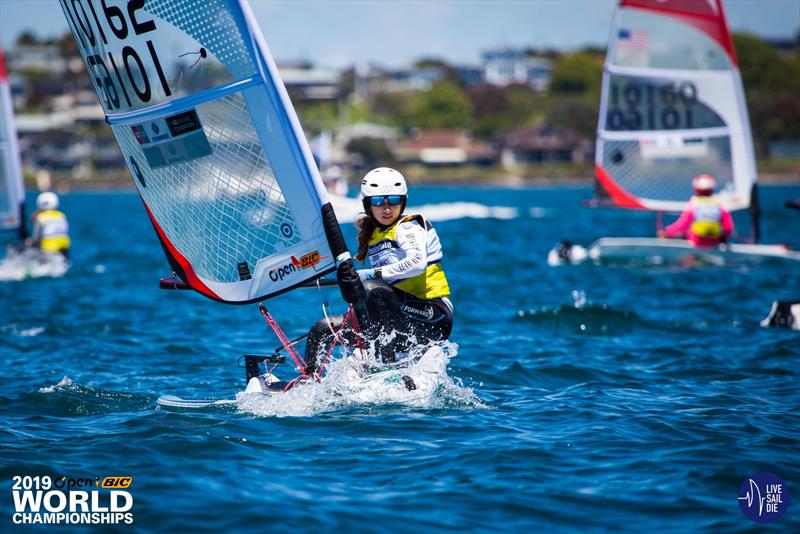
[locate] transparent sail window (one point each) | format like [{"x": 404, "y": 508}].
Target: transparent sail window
[
  {"x": 637, "y": 104},
  {"x": 662, "y": 167},
  {"x": 8, "y": 202},
  {"x": 657, "y": 41},
  {"x": 138, "y": 57},
  {"x": 221, "y": 209},
  {"x": 5, "y": 124}
]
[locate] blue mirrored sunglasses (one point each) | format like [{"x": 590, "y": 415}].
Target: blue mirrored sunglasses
[{"x": 393, "y": 200}]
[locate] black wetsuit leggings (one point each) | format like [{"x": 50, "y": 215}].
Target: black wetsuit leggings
[{"x": 389, "y": 310}]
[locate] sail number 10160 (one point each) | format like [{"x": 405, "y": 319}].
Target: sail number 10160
[
  {"x": 637, "y": 105},
  {"x": 125, "y": 76}
]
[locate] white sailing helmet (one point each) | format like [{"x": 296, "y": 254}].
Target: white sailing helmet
[
  {"x": 47, "y": 201},
  {"x": 383, "y": 181},
  {"x": 704, "y": 183}
]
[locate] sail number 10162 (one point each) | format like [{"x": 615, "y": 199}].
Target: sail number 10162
[{"x": 125, "y": 76}]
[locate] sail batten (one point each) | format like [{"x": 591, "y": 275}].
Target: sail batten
[
  {"x": 183, "y": 104},
  {"x": 672, "y": 107},
  {"x": 212, "y": 142}
]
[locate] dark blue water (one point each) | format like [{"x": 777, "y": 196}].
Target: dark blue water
[{"x": 602, "y": 398}]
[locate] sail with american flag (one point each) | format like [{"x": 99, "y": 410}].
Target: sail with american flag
[{"x": 672, "y": 107}]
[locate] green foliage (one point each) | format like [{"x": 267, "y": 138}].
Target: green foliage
[
  {"x": 772, "y": 88},
  {"x": 578, "y": 73},
  {"x": 500, "y": 109},
  {"x": 353, "y": 113},
  {"x": 391, "y": 108},
  {"x": 444, "y": 105},
  {"x": 27, "y": 38},
  {"x": 318, "y": 115},
  {"x": 574, "y": 112},
  {"x": 448, "y": 71},
  {"x": 372, "y": 152},
  {"x": 761, "y": 66}
]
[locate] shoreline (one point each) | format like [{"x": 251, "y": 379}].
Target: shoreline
[{"x": 511, "y": 182}]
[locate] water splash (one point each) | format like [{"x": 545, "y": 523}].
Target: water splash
[
  {"x": 347, "y": 385},
  {"x": 31, "y": 263},
  {"x": 66, "y": 381}
]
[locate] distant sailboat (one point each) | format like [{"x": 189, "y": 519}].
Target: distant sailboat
[
  {"x": 19, "y": 262},
  {"x": 12, "y": 190},
  {"x": 672, "y": 108}
]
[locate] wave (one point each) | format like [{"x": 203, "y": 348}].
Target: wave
[
  {"x": 347, "y": 209},
  {"x": 68, "y": 398},
  {"x": 587, "y": 319}
]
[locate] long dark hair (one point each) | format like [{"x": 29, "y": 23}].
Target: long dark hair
[{"x": 366, "y": 226}]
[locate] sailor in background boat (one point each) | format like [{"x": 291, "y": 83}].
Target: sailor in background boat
[
  {"x": 704, "y": 221},
  {"x": 50, "y": 226},
  {"x": 407, "y": 291}
]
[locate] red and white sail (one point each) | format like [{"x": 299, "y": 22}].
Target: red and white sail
[
  {"x": 12, "y": 191},
  {"x": 212, "y": 141},
  {"x": 672, "y": 108}
]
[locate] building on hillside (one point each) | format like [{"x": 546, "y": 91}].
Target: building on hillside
[
  {"x": 469, "y": 74},
  {"x": 443, "y": 147},
  {"x": 305, "y": 82},
  {"x": 544, "y": 144},
  {"x": 39, "y": 58},
  {"x": 508, "y": 66},
  {"x": 414, "y": 79}
]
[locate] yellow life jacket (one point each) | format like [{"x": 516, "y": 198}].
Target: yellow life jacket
[
  {"x": 429, "y": 285},
  {"x": 707, "y": 221},
  {"x": 53, "y": 230}
]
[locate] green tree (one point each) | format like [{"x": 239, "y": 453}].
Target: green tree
[
  {"x": 772, "y": 88},
  {"x": 318, "y": 115},
  {"x": 27, "y": 38},
  {"x": 448, "y": 71},
  {"x": 500, "y": 109},
  {"x": 444, "y": 105},
  {"x": 391, "y": 108},
  {"x": 578, "y": 73},
  {"x": 573, "y": 112}
]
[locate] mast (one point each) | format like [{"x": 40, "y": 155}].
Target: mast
[{"x": 350, "y": 285}]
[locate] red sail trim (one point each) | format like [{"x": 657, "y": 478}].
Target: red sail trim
[
  {"x": 3, "y": 72},
  {"x": 696, "y": 13},
  {"x": 191, "y": 278},
  {"x": 618, "y": 196}
]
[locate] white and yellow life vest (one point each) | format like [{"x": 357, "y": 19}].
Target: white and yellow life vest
[
  {"x": 707, "y": 217},
  {"x": 53, "y": 230},
  {"x": 387, "y": 251}
]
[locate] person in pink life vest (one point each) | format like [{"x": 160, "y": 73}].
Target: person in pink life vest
[{"x": 704, "y": 221}]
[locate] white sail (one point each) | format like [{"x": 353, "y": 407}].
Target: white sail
[
  {"x": 12, "y": 191},
  {"x": 672, "y": 108},
  {"x": 211, "y": 139}
]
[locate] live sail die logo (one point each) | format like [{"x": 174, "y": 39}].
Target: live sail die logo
[
  {"x": 763, "y": 497},
  {"x": 69, "y": 500}
]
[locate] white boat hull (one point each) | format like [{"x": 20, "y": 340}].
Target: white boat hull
[{"x": 666, "y": 250}]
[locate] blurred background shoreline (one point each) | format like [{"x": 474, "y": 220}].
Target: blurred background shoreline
[{"x": 514, "y": 116}]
